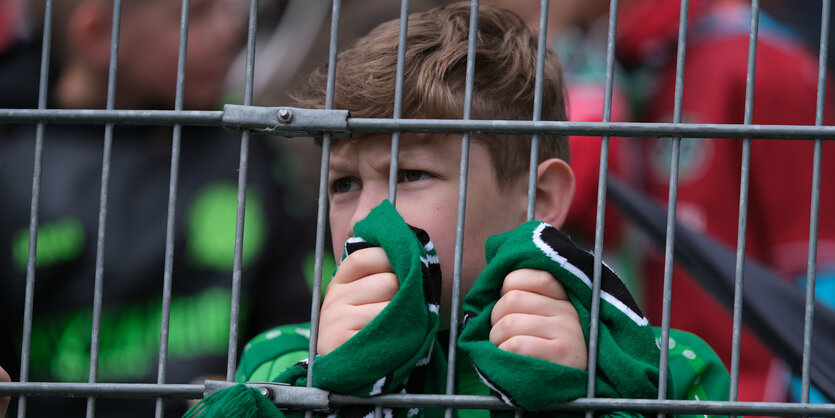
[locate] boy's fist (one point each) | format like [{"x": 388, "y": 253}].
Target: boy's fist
[
  {"x": 533, "y": 317},
  {"x": 363, "y": 285}
]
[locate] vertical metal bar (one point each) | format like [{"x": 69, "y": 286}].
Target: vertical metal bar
[
  {"x": 743, "y": 201},
  {"x": 594, "y": 326},
  {"x": 805, "y": 376},
  {"x": 105, "y": 183},
  {"x": 322, "y": 211},
  {"x": 165, "y": 314},
  {"x": 462, "y": 205},
  {"x": 241, "y": 211},
  {"x": 398, "y": 98},
  {"x": 29, "y": 296},
  {"x": 672, "y": 203},
  {"x": 542, "y": 41}
]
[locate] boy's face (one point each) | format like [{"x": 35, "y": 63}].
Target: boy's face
[{"x": 427, "y": 196}]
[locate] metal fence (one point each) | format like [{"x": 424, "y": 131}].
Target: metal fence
[{"x": 331, "y": 123}]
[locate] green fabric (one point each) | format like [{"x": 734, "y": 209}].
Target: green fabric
[
  {"x": 237, "y": 401},
  {"x": 627, "y": 355},
  {"x": 697, "y": 372},
  {"x": 398, "y": 352}
]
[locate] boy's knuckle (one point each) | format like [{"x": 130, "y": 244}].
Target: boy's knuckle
[{"x": 514, "y": 298}]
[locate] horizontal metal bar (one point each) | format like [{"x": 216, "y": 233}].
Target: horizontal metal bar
[
  {"x": 307, "y": 398},
  {"x": 99, "y": 116},
  {"x": 631, "y": 129},
  {"x": 102, "y": 390},
  {"x": 596, "y": 404},
  {"x": 305, "y": 121}
]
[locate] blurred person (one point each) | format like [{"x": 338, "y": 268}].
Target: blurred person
[
  {"x": 710, "y": 169},
  {"x": 276, "y": 238},
  {"x": 4, "y": 400}
]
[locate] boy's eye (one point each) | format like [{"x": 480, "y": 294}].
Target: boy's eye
[
  {"x": 344, "y": 185},
  {"x": 411, "y": 175}
]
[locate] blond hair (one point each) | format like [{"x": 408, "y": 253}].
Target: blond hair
[{"x": 435, "y": 78}]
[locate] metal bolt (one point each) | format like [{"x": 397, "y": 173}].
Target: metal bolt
[
  {"x": 285, "y": 115},
  {"x": 266, "y": 392}
]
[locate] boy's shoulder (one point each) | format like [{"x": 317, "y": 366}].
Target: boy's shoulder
[{"x": 271, "y": 352}]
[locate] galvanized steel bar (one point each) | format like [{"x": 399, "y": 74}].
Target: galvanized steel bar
[
  {"x": 194, "y": 391},
  {"x": 596, "y": 404},
  {"x": 398, "y": 98},
  {"x": 102, "y": 390},
  {"x": 462, "y": 205},
  {"x": 542, "y": 44},
  {"x": 29, "y": 295},
  {"x": 385, "y": 125},
  {"x": 600, "y": 218},
  {"x": 627, "y": 129},
  {"x": 806, "y": 374},
  {"x": 743, "y": 202},
  {"x": 672, "y": 200},
  {"x": 322, "y": 211},
  {"x": 235, "y": 307},
  {"x": 103, "y": 201},
  {"x": 165, "y": 310},
  {"x": 127, "y": 117}
]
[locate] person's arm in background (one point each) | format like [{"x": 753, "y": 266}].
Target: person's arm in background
[{"x": 4, "y": 400}]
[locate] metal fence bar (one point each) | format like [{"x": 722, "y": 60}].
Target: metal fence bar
[
  {"x": 450, "y": 126},
  {"x": 594, "y": 319},
  {"x": 103, "y": 201},
  {"x": 596, "y": 404},
  {"x": 743, "y": 202},
  {"x": 672, "y": 202},
  {"x": 192, "y": 391},
  {"x": 322, "y": 211},
  {"x": 806, "y": 367},
  {"x": 398, "y": 98},
  {"x": 96, "y": 116},
  {"x": 29, "y": 296},
  {"x": 462, "y": 205},
  {"x": 165, "y": 310},
  {"x": 235, "y": 307},
  {"x": 542, "y": 42},
  {"x": 627, "y": 129}
]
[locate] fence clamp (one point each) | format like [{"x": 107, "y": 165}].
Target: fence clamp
[
  {"x": 287, "y": 121},
  {"x": 282, "y": 394}
]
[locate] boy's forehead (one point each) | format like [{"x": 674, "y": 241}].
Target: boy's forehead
[
  {"x": 408, "y": 142},
  {"x": 376, "y": 148}
]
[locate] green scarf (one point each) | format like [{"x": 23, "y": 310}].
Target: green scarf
[{"x": 398, "y": 353}]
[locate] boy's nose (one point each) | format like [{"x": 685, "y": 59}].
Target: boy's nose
[{"x": 370, "y": 198}]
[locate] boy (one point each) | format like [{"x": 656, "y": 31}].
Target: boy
[
  {"x": 135, "y": 241},
  {"x": 526, "y": 315}
]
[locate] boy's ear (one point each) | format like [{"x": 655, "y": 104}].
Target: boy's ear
[
  {"x": 554, "y": 191},
  {"x": 88, "y": 31}
]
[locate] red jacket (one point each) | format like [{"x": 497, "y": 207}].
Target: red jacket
[{"x": 709, "y": 176}]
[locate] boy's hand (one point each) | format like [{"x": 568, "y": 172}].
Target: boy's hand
[
  {"x": 533, "y": 317},
  {"x": 363, "y": 285}
]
